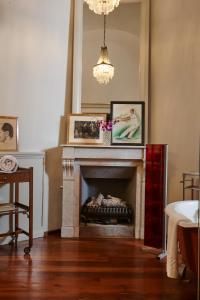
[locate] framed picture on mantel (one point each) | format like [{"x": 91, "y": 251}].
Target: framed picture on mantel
[
  {"x": 8, "y": 133},
  {"x": 85, "y": 128},
  {"x": 128, "y": 123}
]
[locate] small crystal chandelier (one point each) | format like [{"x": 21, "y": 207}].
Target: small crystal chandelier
[
  {"x": 102, "y": 6},
  {"x": 103, "y": 71}
]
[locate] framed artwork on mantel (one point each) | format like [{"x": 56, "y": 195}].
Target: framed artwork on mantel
[
  {"x": 85, "y": 128},
  {"x": 8, "y": 133},
  {"x": 127, "y": 123}
]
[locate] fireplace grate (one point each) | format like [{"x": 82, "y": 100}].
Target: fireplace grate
[{"x": 106, "y": 215}]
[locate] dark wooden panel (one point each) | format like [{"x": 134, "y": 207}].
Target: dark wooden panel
[
  {"x": 21, "y": 175},
  {"x": 188, "y": 244},
  {"x": 154, "y": 195}
]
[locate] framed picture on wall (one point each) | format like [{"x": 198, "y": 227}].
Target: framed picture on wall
[
  {"x": 85, "y": 128},
  {"x": 127, "y": 123},
  {"x": 8, "y": 133}
]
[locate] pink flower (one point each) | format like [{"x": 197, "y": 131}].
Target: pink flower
[{"x": 105, "y": 125}]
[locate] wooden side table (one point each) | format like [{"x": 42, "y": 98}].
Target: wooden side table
[{"x": 14, "y": 207}]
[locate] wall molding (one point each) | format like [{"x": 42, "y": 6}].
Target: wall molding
[{"x": 25, "y": 155}]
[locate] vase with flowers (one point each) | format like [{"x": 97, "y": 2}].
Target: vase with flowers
[{"x": 106, "y": 127}]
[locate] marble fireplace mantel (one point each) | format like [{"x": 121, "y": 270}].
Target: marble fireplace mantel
[{"x": 76, "y": 156}]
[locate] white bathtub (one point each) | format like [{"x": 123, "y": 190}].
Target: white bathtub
[
  {"x": 184, "y": 211},
  {"x": 182, "y": 227}
]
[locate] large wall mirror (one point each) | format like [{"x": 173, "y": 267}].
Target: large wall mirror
[{"x": 127, "y": 38}]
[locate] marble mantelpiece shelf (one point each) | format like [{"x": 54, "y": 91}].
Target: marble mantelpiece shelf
[
  {"x": 102, "y": 146},
  {"x": 103, "y": 152}
]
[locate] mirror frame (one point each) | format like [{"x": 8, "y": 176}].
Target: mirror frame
[{"x": 143, "y": 63}]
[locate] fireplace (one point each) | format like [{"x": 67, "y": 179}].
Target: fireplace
[
  {"x": 116, "y": 171},
  {"x": 107, "y": 194}
]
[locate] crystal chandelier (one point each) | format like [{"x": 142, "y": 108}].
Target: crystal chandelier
[
  {"x": 102, "y": 6},
  {"x": 103, "y": 71}
]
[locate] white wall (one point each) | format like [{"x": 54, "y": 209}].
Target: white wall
[
  {"x": 175, "y": 88},
  {"x": 33, "y": 53},
  {"x": 33, "y": 60},
  {"x": 33, "y": 63}
]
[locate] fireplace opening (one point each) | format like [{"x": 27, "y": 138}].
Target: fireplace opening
[
  {"x": 108, "y": 196},
  {"x": 106, "y": 209}
]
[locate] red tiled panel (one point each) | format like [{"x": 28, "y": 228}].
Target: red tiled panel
[{"x": 154, "y": 195}]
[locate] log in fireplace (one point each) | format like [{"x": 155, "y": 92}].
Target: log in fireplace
[
  {"x": 115, "y": 187},
  {"x": 106, "y": 210}
]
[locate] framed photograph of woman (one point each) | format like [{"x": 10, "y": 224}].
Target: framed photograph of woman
[
  {"x": 8, "y": 133},
  {"x": 85, "y": 128},
  {"x": 127, "y": 123}
]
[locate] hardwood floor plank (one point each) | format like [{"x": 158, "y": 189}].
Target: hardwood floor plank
[{"x": 87, "y": 269}]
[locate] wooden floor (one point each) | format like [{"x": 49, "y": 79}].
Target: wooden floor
[{"x": 87, "y": 269}]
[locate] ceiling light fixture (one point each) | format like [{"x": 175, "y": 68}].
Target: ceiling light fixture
[
  {"x": 102, "y": 6},
  {"x": 103, "y": 71}
]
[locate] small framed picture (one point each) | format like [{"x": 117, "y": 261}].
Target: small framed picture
[
  {"x": 85, "y": 128},
  {"x": 8, "y": 133},
  {"x": 127, "y": 123}
]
